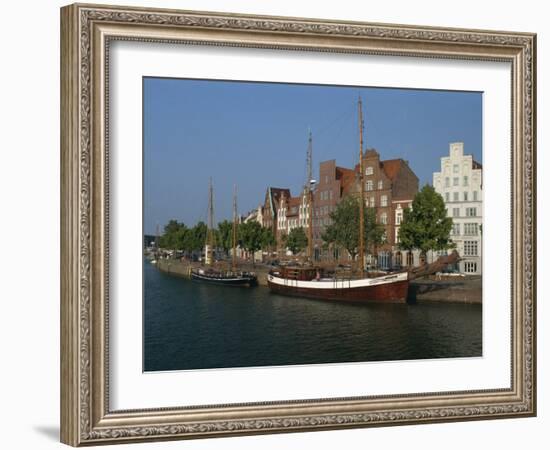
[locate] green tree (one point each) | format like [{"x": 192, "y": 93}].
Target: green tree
[
  {"x": 268, "y": 239},
  {"x": 251, "y": 236},
  {"x": 197, "y": 238},
  {"x": 172, "y": 236},
  {"x": 180, "y": 237},
  {"x": 225, "y": 235},
  {"x": 296, "y": 240},
  {"x": 426, "y": 226},
  {"x": 344, "y": 230}
]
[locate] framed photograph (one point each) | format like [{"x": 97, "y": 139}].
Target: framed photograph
[{"x": 276, "y": 224}]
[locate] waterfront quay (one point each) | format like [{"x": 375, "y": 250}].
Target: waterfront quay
[{"x": 441, "y": 289}]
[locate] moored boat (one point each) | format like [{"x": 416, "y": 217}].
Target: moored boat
[
  {"x": 211, "y": 274},
  {"x": 310, "y": 283},
  {"x": 229, "y": 278}
]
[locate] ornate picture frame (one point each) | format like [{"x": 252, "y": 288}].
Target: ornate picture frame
[{"x": 86, "y": 34}]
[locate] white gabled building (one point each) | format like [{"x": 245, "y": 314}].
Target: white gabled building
[{"x": 460, "y": 183}]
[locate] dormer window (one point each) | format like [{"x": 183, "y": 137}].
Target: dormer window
[{"x": 369, "y": 171}]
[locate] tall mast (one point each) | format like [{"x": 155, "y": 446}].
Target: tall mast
[
  {"x": 209, "y": 251},
  {"x": 362, "y": 192},
  {"x": 309, "y": 194},
  {"x": 234, "y": 258}
]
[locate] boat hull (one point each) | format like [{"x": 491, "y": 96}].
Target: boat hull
[
  {"x": 383, "y": 292},
  {"x": 233, "y": 281}
]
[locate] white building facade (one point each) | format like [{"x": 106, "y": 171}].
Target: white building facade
[{"x": 460, "y": 183}]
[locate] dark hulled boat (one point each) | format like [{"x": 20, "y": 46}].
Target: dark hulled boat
[
  {"x": 209, "y": 273},
  {"x": 228, "y": 278}
]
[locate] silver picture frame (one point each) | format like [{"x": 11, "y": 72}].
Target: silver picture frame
[{"x": 87, "y": 32}]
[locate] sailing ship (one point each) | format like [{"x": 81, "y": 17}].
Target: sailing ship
[
  {"x": 210, "y": 274},
  {"x": 317, "y": 283}
]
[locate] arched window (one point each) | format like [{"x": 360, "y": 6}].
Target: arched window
[
  {"x": 398, "y": 259},
  {"x": 410, "y": 259}
]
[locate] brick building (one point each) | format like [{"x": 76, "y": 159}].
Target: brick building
[
  {"x": 293, "y": 212},
  {"x": 334, "y": 183},
  {"x": 390, "y": 187},
  {"x": 267, "y": 213}
]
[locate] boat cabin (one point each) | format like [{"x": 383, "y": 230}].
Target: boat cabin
[{"x": 300, "y": 273}]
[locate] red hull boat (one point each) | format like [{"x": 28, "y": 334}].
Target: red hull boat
[{"x": 306, "y": 282}]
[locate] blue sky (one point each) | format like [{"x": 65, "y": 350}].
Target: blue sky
[{"x": 255, "y": 135}]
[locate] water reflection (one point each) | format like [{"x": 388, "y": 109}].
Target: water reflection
[{"x": 189, "y": 325}]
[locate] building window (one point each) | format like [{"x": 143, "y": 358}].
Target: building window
[
  {"x": 470, "y": 229},
  {"x": 455, "y": 181},
  {"x": 410, "y": 259},
  {"x": 398, "y": 217},
  {"x": 456, "y": 229},
  {"x": 465, "y": 196},
  {"x": 372, "y": 203},
  {"x": 368, "y": 171},
  {"x": 380, "y": 184},
  {"x": 470, "y": 248},
  {"x": 447, "y": 182},
  {"x": 368, "y": 185},
  {"x": 447, "y": 197},
  {"x": 456, "y": 212},
  {"x": 465, "y": 180},
  {"x": 471, "y": 212},
  {"x": 398, "y": 259},
  {"x": 384, "y": 200},
  {"x": 455, "y": 168},
  {"x": 330, "y": 194},
  {"x": 470, "y": 267},
  {"x": 455, "y": 196},
  {"x": 384, "y": 260},
  {"x": 475, "y": 196},
  {"x": 384, "y": 218}
]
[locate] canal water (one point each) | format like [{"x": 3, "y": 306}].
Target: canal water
[{"x": 190, "y": 325}]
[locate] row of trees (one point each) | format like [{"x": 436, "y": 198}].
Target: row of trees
[
  {"x": 251, "y": 236},
  {"x": 425, "y": 226}
]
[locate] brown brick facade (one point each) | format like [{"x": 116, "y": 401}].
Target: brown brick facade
[{"x": 388, "y": 185}]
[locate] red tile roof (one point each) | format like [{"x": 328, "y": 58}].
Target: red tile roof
[
  {"x": 274, "y": 196},
  {"x": 293, "y": 202},
  {"x": 347, "y": 178}
]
